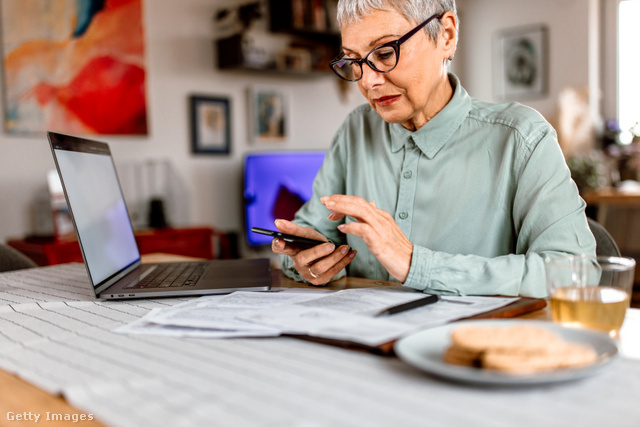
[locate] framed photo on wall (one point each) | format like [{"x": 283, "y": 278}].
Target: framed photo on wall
[
  {"x": 520, "y": 63},
  {"x": 210, "y": 124},
  {"x": 269, "y": 114}
]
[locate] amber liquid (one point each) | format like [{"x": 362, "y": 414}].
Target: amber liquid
[{"x": 600, "y": 308}]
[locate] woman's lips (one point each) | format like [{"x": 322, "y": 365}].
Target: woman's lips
[{"x": 385, "y": 101}]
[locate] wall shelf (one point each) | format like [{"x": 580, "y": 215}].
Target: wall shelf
[{"x": 313, "y": 40}]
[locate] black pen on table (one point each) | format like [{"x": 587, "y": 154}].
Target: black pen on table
[{"x": 430, "y": 299}]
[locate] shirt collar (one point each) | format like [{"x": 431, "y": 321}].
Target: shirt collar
[{"x": 431, "y": 137}]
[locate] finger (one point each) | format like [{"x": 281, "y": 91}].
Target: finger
[
  {"x": 312, "y": 255},
  {"x": 334, "y": 216},
  {"x": 353, "y": 206},
  {"x": 362, "y": 230},
  {"x": 291, "y": 228},
  {"x": 280, "y": 247},
  {"x": 346, "y": 260},
  {"x": 329, "y": 274},
  {"x": 321, "y": 265},
  {"x": 342, "y": 198}
]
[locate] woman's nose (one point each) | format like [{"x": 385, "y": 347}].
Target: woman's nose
[{"x": 370, "y": 77}]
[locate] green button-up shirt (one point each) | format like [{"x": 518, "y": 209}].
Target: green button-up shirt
[{"x": 481, "y": 190}]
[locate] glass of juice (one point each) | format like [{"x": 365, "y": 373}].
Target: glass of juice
[{"x": 589, "y": 291}]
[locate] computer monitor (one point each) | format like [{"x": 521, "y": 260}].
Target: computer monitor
[{"x": 276, "y": 185}]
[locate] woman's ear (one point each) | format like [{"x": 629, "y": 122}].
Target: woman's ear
[{"x": 449, "y": 34}]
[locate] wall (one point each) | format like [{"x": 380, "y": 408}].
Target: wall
[
  {"x": 567, "y": 22},
  {"x": 180, "y": 62},
  {"x": 609, "y": 55}
]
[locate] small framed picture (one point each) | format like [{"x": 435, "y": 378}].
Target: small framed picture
[
  {"x": 520, "y": 63},
  {"x": 270, "y": 114},
  {"x": 210, "y": 124}
]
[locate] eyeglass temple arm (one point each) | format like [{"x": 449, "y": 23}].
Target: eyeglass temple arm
[
  {"x": 418, "y": 28},
  {"x": 398, "y": 42}
]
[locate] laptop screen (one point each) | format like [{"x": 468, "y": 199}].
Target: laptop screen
[{"x": 96, "y": 204}]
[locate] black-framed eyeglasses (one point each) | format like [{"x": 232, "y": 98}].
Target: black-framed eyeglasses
[{"x": 382, "y": 59}]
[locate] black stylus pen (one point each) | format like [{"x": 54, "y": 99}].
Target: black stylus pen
[{"x": 430, "y": 299}]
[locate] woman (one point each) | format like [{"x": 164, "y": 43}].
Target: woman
[{"x": 429, "y": 187}]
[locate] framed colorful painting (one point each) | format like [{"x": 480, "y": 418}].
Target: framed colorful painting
[{"x": 74, "y": 66}]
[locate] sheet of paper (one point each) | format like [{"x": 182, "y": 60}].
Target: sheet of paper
[
  {"x": 365, "y": 301},
  {"x": 451, "y": 308},
  {"x": 145, "y": 327},
  {"x": 327, "y": 323},
  {"x": 216, "y": 316},
  {"x": 347, "y": 315}
]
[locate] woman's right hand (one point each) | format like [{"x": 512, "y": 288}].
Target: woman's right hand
[{"x": 318, "y": 264}]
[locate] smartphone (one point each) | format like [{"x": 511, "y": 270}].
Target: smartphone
[{"x": 289, "y": 238}]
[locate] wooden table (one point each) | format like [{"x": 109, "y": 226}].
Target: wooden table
[
  {"x": 612, "y": 196},
  {"x": 19, "y": 397},
  {"x": 603, "y": 198},
  {"x": 621, "y": 224}
]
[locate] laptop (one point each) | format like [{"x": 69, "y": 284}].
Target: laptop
[{"x": 105, "y": 234}]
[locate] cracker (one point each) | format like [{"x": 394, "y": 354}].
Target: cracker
[
  {"x": 565, "y": 356},
  {"x": 519, "y": 349},
  {"x": 519, "y": 338},
  {"x": 460, "y": 356}
]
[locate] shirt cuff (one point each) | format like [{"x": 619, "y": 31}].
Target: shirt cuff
[{"x": 420, "y": 270}]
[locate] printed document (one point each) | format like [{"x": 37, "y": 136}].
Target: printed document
[{"x": 347, "y": 315}]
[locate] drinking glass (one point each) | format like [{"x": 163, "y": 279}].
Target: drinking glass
[{"x": 589, "y": 291}]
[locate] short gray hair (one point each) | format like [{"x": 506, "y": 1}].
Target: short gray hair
[{"x": 413, "y": 10}]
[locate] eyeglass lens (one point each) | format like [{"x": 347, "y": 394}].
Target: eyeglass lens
[{"x": 382, "y": 59}]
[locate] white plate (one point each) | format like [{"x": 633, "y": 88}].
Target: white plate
[{"x": 425, "y": 349}]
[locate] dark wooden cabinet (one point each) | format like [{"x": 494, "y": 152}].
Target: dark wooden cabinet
[{"x": 193, "y": 242}]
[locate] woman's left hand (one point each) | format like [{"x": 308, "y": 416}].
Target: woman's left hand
[{"x": 377, "y": 229}]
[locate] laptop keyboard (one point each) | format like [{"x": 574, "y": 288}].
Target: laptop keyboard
[{"x": 171, "y": 274}]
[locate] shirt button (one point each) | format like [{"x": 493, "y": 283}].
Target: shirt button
[
  {"x": 403, "y": 215},
  {"x": 408, "y": 174}
]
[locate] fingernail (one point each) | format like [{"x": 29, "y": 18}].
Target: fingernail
[
  {"x": 352, "y": 254},
  {"x": 329, "y": 248},
  {"x": 276, "y": 222},
  {"x": 330, "y": 204},
  {"x": 344, "y": 250},
  {"x": 276, "y": 240},
  {"x": 341, "y": 226}
]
